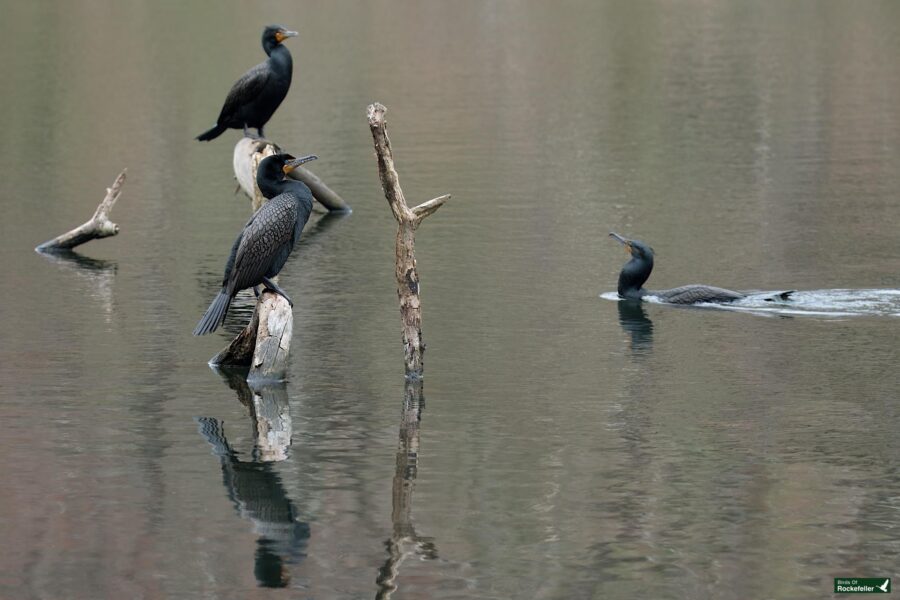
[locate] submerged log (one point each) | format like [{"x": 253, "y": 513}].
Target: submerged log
[
  {"x": 99, "y": 226},
  {"x": 408, "y": 220},
  {"x": 248, "y": 153},
  {"x": 264, "y": 344}
]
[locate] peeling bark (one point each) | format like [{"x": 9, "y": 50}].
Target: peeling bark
[{"x": 273, "y": 338}]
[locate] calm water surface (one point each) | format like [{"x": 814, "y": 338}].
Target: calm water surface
[{"x": 569, "y": 446}]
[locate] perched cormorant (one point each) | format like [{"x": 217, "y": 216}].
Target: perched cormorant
[
  {"x": 262, "y": 248},
  {"x": 637, "y": 270},
  {"x": 254, "y": 97}
]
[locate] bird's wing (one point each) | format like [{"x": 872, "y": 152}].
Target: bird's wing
[
  {"x": 267, "y": 234},
  {"x": 244, "y": 90},
  {"x": 692, "y": 294},
  {"x": 234, "y": 250}
]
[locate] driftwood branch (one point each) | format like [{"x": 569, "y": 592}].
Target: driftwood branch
[
  {"x": 249, "y": 152},
  {"x": 408, "y": 220},
  {"x": 264, "y": 344},
  {"x": 98, "y": 227}
]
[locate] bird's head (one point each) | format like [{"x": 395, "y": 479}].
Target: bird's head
[
  {"x": 637, "y": 270},
  {"x": 635, "y": 248},
  {"x": 275, "y": 34},
  {"x": 273, "y": 169}
]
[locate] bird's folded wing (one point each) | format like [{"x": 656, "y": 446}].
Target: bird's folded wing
[
  {"x": 265, "y": 237},
  {"x": 245, "y": 90}
]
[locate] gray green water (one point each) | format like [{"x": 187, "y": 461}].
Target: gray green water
[{"x": 570, "y": 446}]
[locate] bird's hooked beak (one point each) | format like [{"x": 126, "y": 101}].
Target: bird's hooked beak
[
  {"x": 621, "y": 240},
  {"x": 284, "y": 34},
  {"x": 296, "y": 162}
]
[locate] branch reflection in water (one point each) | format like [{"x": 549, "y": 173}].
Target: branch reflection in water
[
  {"x": 635, "y": 322},
  {"x": 404, "y": 541},
  {"x": 97, "y": 273},
  {"x": 254, "y": 487}
]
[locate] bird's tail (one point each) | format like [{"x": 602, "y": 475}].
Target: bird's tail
[
  {"x": 779, "y": 296},
  {"x": 215, "y": 314},
  {"x": 212, "y": 133}
]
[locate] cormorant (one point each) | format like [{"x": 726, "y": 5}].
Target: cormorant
[
  {"x": 637, "y": 270},
  {"x": 262, "y": 248},
  {"x": 254, "y": 97}
]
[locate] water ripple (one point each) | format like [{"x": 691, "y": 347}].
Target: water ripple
[{"x": 818, "y": 303}]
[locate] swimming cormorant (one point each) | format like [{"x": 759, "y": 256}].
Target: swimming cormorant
[
  {"x": 254, "y": 97},
  {"x": 265, "y": 243},
  {"x": 637, "y": 270}
]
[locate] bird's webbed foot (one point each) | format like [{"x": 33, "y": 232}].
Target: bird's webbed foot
[{"x": 275, "y": 288}]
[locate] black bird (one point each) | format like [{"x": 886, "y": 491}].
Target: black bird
[
  {"x": 262, "y": 248},
  {"x": 254, "y": 97},
  {"x": 637, "y": 270}
]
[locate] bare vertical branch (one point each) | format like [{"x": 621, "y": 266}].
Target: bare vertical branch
[{"x": 407, "y": 221}]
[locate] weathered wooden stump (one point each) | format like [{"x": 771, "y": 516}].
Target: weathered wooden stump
[{"x": 264, "y": 344}]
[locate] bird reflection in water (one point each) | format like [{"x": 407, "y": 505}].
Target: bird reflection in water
[
  {"x": 254, "y": 487},
  {"x": 635, "y": 322},
  {"x": 404, "y": 541}
]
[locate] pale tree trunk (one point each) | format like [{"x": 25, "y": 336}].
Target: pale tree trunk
[
  {"x": 248, "y": 153},
  {"x": 98, "y": 227},
  {"x": 408, "y": 220}
]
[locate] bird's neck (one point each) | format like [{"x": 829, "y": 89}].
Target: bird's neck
[
  {"x": 270, "y": 189},
  {"x": 280, "y": 59},
  {"x": 633, "y": 276}
]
